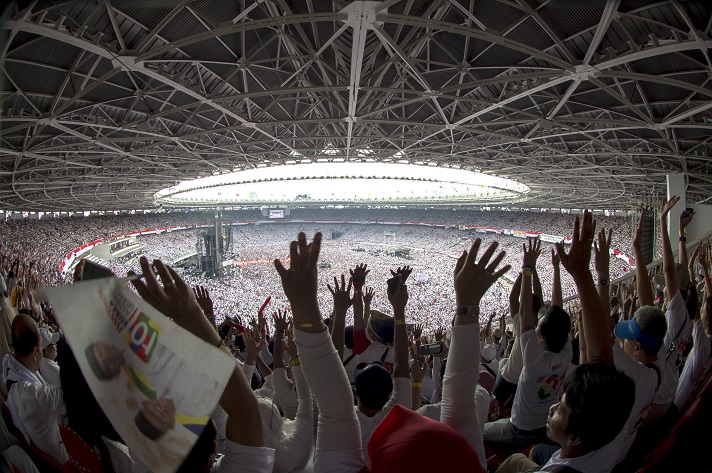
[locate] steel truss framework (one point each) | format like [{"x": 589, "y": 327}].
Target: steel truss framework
[{"x": 590, "y": 103}]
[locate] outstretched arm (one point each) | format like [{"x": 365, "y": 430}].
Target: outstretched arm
[
  {"x": 342, "y": 302},
  {"x": 338, "y": 427},
  {"x": 668, "y": 258},
  {"x": 596, "y": 326},
  {"x": 399, "y": 300},
  {"x": 602, "y": 264},
  {"x": 557, "y": 297},
  {"x": 525, "y": 296},
  {"x": 472, "y": 280},
  {"x": 685, "y": 219},
  {"x": 645, "y": 288}
]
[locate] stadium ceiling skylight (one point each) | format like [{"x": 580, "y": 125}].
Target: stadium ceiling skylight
[{"x": 343, "y": 183}]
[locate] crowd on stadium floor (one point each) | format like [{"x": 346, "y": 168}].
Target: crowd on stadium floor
[{"x": 514, "y": 367}]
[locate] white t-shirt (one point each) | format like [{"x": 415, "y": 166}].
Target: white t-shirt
[
  {"x": 646, "y": 382},
  {"x": 402, "y": 394},
  {"x": 482, "y": 401},
  {"x": 375, "y": 352},
  {"x": 243, "y": 459},
  {"x": 540, "y": 382},
  {"x": 679, "y": 332},
  {"x": 697, "y": 363},
  {"x": 588, "y": 463}
]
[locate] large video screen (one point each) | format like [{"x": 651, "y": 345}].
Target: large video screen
[{"x": 276, "y": 213}]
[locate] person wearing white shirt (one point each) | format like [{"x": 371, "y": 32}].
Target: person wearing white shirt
[
  {"x": 546, "y": 352},
  {"x": 49, "y": 368},
  {"x": 37, "y": 407}
]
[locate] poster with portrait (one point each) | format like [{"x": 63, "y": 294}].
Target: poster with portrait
[{"x": 157, "y": 383}]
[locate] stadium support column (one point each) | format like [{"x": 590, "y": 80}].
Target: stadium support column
[
  {"x": 218, "y": 243},
  {"x": 675, "y": 186}
]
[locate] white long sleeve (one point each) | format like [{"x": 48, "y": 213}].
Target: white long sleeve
[
  {"x": 295, "y": 449},
  {"x": 459, "y": 409},
  {"x": 338, "y": 447}
]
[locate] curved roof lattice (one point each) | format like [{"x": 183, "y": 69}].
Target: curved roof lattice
[{"x": 591, "y": 103}]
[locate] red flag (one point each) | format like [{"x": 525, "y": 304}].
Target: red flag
[{"x": 262, "y": 309}]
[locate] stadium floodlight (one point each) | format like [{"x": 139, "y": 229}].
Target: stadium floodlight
[{"x": 345, "y": 183}]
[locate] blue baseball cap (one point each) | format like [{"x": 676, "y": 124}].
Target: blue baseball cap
[{"x": 631, "y": 330}]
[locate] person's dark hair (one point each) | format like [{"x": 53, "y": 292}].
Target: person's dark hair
[
  {"x": 24, "y": 311},
  {"x": 349, "y": 337},
  {"x": 600, "y": 398},
  {"x": 374, "y": 386},
  {"x": 25, "y": 338},
  {"x": 95, "y": 366},
  {"x": 199, "y": 456},
  {"x": 555, "y": 328},
  {"x": 651, "y": 320},
  {"x": 146, "y": 428}
]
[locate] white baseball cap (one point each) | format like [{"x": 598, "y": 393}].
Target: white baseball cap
[{"x": 48, "y": 337}]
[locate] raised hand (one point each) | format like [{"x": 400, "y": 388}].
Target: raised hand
[
  {"x": 403, "y": 271},
  {"x": 439, "y": 335},
  {"x": 531, "y": 254},
  {"x": 253, "y": 343},
  {"x": 417, "y": 371},
  {"x": 473, "y": 279},
  {"x": 685, "y": 219},
  {"x": 342, "y": 295},
  {"x": 417, "y": 331},
  {"x": 174, "y": 298},
  {"x": 280, "y": 320},
  {"x": 555, "y": 260},
  {"x": 368, "y": 296},
  {"x": 300, "y": 281},
  {"x": 204, "y": 301},
  {"x": 637, "y": 238},
  {"x": 291, "y": 346},
  {"x": 358, "y": 275},
  {"x": 602, "y": 252},
  {"x": 399, "y": 299},
  {"x": 577, "y": 261},
  {"x": 667, "y": 206}
]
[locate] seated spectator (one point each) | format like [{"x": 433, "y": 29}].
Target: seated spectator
[
  {"x": 37, "y": 408},
  {"x": 546, "y": 353}
]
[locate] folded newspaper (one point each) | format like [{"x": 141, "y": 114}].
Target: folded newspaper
[{"x": 157, "y": 383}]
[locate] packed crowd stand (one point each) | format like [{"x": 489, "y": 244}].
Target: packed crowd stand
[{"x": 351, "y": 374}]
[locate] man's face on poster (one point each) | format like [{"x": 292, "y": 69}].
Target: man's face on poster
[
  {"x": 110, "y": 358},
  {"x": 160, "y": 413}
]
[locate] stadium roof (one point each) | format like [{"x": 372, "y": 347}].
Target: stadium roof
[{"x": 588, "y": 103}]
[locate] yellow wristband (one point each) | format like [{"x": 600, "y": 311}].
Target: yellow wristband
[
  {"x": 314, "y": 324},
  {"x": 417, "y": 385},
  {"x": 295, "y": 362},
  {"x": 527, "y": 273},
  {"x": 399, "y": 322}
]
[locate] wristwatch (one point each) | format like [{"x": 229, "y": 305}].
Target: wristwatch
[
  {"x": 469, "y": 311},
  {"x": 603, "y": 281}
]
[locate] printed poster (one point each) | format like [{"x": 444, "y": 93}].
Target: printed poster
[{"x": 157, "y": 383}]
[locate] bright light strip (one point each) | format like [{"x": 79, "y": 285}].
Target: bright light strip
[{"x": 343, "y": 182}]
